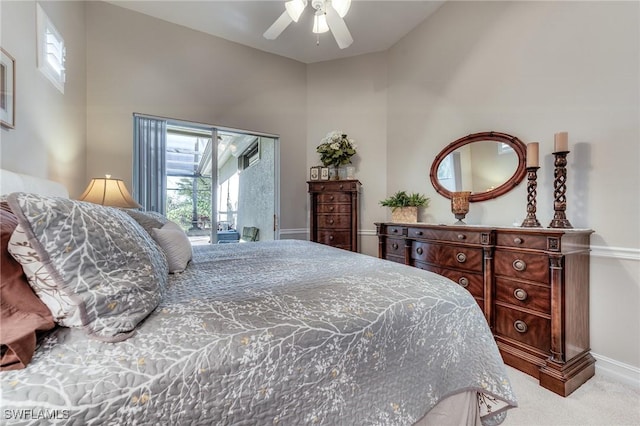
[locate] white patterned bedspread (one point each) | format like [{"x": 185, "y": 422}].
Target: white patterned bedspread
[{"x": 283, "y": 332}]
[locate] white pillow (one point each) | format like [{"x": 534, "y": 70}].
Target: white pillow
[{"x": 175, "y": 244}]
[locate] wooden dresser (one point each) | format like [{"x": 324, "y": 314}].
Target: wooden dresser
[
  {"x": 334, "y": 213},
  {"x": 531, "y": 283}
]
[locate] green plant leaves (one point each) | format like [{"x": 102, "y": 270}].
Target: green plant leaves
[{"x": 402, "y": 199}]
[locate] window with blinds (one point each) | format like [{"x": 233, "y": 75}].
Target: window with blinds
[{"x": 51, "y": 50}]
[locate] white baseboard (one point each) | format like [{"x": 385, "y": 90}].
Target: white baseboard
[
  {"x": 618, "y": 371},
  {"x": 295, "y": 231},
  {"x": 616, "y": 252}
]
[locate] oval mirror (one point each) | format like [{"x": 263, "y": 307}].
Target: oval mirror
[{"x": 488, "y": 164}]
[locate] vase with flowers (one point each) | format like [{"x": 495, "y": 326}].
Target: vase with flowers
[{"x": 336, "y": 150}]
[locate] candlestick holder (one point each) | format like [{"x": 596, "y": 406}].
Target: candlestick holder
[
  {"x": 559, "y": 189},
  {"x": 532, "y": 184}
]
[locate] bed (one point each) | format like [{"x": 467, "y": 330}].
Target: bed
[{"x": 280, "y": 332}]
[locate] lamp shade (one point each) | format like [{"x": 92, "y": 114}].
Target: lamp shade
[
  {"x": 109, "y": 192},
  {"x": 320, "y": 23}
]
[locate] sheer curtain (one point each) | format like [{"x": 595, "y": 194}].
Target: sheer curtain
[{"x": 149, "y": 165}]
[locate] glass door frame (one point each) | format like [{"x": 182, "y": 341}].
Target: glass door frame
[{"x": 214, "y": 167}]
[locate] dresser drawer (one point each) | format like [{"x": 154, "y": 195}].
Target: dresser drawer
[
  {"x": 334, "y": 186},
  {"x": 473, "y": 282},
  {"x": 446, "y": 255},
  {"x": 334, "y": 197},
  {"x": 394, "y": 247},
  {"x": 525, "y": 295},
  {"x": 526, "y": 266},
  {"x": 334, "y": 208},
  {"x": 394, "y": 230},
  {"x": 334, "y": 238},
  {"x": 526, "y": 328},
  {"x": 537, "y": 242},
  {"x": 460, "y": 236},
  {"x": 334, "y": 221}
]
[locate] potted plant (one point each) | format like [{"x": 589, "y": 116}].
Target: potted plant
[{"x": 404, "y": 207}]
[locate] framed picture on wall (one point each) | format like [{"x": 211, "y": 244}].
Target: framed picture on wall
[
  {"x": 324, "y": 173},
  {"x": 314, "y": 173},
  {"x": 7, "y": 90}
]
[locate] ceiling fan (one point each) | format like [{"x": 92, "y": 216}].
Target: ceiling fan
[{"x": 328, "y": 16}]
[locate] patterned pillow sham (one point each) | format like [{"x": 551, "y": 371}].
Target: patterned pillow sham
[
  {"x": 62, "y": 306},
  {"x": 99, "y": 261}
]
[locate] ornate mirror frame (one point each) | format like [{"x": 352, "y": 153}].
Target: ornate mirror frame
[{"x": 518, "y": 146}]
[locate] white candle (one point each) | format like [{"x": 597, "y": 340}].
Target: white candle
[
  {"x": 561, "y": 142},
  {"x": 532, "y": 154}
]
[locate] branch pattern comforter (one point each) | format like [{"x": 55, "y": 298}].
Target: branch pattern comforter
[{"x": 284, "y": 332}]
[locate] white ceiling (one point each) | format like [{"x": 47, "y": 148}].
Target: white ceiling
[{"x": 375, "y": 25}]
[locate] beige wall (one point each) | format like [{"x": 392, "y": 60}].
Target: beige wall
[
  {"x": 136, "y": 63},
  {"x": 531, "y": 69},
  {"x": 351, "y": 95},
  {"x": 49, "y": 136}
]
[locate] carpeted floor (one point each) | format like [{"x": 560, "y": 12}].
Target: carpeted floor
[{"x": 600, "y": 401}]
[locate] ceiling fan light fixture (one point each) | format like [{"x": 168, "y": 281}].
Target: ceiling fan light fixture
[
  {"x": 326, "y": 17},
  {"x": 341, "y": 6},
  {"x": 295, "y": 8},
  {"x": 320, "y": 23}
]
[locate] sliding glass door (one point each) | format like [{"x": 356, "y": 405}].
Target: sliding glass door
[{"x": 215, "y": 191}]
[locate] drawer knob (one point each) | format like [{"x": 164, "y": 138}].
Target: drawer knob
[
  {"x": 419, "y": 232},
  {"x": 464, "y": 282},
  {"x": 331, "y": 197},
  {"x": 331, "y": 221},
  {"x": 520, "y": 294},
  {"x": 322, "y": 187},
  {"x": 419, "y": 250},
  {"x": 520, "y": 326},
  {"x": 330, "y": 237},
  {"x": 394, "y": 230},
  {"x": 462, "y": 237},
  {"x": 461, "y": 257},
  {"x": 517, "y": 240},
  {"x": 519, "y": 265},
  {"x": 394, "y": 246},
  {"x": 331, "y": 208}
]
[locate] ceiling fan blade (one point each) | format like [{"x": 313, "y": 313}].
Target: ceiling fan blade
[
  {"x": 338, "y": 28},
  {"x": 278, "y": 27}
]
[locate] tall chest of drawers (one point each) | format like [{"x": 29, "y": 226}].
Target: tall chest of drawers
[
  {"x": 532, "y": 284},
  {"x": 334, "y": 213}
]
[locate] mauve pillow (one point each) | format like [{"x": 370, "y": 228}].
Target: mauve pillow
[
  {"x": 105, "y": 264},
  {"x": 21, "y": 312}
]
